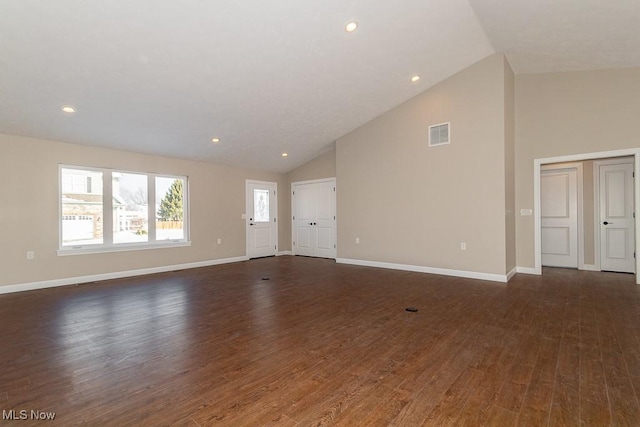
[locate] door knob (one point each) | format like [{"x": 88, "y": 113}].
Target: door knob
[
  {"x": 310, "y": 223},
  {"x": 250, "y": 223},
  {"x": 607, "y": 223}
]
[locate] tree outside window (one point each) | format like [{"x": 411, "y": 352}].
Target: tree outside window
[{"x": 170, "y": 210}]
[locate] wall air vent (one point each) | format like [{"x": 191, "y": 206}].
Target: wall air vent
[{"x": 439, "y": 134}]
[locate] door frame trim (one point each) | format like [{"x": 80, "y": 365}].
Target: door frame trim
[
  {"x": 596, "y": 204},
  {"x": 246, "y": 213},
  {"x": 578, "y": 167},
  {"x": 579, "y": 157}
]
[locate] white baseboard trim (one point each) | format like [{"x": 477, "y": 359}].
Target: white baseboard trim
[
  {"x": 512, "y": 273},
  {"x": 530, "y": 270},
  {"x": 421, "y": 269},
  {"x": 115, "y": 275},
  {"x": 527, "y": 270},
  {"x": 284, "y": 253}
]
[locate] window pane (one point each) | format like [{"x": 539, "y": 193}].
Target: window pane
[
  {"x": 261, "y": 205},
  {"x": 130, "y": 208},
  {"x": 169, "y": 208},
  {"x": 82, "y": 211}
]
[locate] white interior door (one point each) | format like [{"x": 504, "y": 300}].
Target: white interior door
[
  {"x": 617, "y": 230},
  {"x": 559, "y": 217},
  {"x": 262, "y": 229},
  {"x": 313, "y": 205},
  {"x": 304, "y": 209},
  {"x": 324, "y": 224}
]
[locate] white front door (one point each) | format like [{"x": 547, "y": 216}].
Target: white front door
[
  {"x": 262, "y": 228},
  {"x": 313, "y": 205},
  {"x": 617, "y": 235},
  {"x": 559, "y": 217}
]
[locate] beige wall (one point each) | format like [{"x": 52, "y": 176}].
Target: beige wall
[
  {"x": 407, "y": 203},
  {"x": 565, "y": 114},
  {"x": 411, "y": 204},
  {"x": 323, "y": 166},
  {"x": 509, "y": 167},
  {"x": 29, "y": 171}
]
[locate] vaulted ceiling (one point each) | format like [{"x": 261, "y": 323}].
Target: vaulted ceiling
[{"x": 268, "y": 77}]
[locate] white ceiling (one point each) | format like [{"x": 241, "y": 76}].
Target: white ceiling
[
  {"x": 542, "y": 36},
  {"x": 267, "y": 77}
]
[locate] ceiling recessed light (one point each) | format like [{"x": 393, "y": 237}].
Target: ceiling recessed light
[
  {"x": 415, "y": 78},
  {"x": 215, "y": 140},
  {"x": 351, "y": 27},
  {"x": 285, "y": 154},
  {"x": 68, "y": 109}
]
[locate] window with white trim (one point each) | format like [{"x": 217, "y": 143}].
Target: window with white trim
[{"x": 103, "y": 210}]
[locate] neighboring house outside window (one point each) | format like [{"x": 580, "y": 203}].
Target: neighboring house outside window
[{"x": 84, "y": 227}]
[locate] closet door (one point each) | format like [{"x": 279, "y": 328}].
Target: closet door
[
  {"x": 324, "y": 224},
  {"x": 313, "y": 204},
  {"x": 559, "y": 217},
  {"x": 304, "y": 214},
  {"x": 617, "y": 228}
]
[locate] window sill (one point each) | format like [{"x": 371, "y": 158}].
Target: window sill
[{"x": 85, "y": 250}]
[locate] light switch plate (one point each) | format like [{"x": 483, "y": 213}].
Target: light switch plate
[{"x": 526, "y": 212}]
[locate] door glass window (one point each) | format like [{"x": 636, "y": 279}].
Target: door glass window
[{"x": 260, "y": 205}]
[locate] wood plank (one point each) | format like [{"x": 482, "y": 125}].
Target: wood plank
[
  {"x": 325, "y": 344},
  {"x": 625, "y": 410}
]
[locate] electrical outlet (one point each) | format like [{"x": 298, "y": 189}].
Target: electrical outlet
[
  {"x": 357, "y": 240},
  {"x": 31, "y": 254},
  {"x": 219, "y": 241},
  {"x": 463, "y": 246}
]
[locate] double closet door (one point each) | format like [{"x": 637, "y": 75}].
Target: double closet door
[{"x": 313, "y": 206}]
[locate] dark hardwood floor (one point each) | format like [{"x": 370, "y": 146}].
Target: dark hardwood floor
[{"x": 324, "y": 344}]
